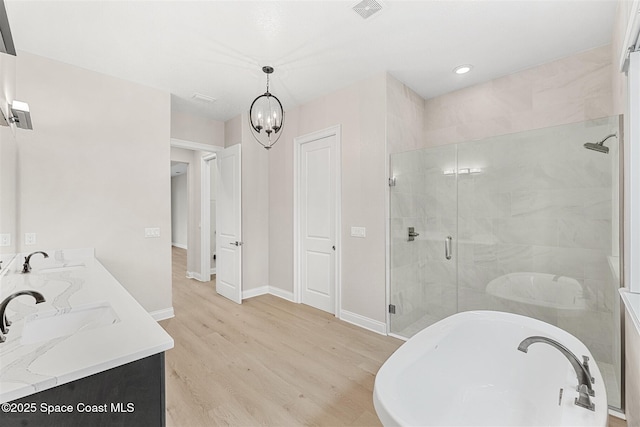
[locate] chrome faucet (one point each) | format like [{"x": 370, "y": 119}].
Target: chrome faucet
[
  {"x": 585, "y": 379},
  {"x": 4, "y": 322},
  {"x": 26, "y": 267}
]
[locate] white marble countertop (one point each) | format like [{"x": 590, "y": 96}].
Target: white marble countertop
[{"x": 72, "y": 281}]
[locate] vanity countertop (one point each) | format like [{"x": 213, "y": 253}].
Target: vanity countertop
[{"x": 73, "y": 282}]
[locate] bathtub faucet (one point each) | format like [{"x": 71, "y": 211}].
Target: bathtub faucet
[{"x": 582, "y": 369}]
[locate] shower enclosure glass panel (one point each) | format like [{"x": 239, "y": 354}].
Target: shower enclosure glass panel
[
  {"x": 534, "y": 221},
  {"x": 424, "y": 281}
]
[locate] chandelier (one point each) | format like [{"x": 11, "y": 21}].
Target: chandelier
[{"x": 266, "y": 116}]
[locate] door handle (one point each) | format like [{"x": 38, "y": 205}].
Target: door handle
[
  {"x": 236, "y": 243},
  {"x": 412, "y": 234},
  {"x": 447, "y": 247}
]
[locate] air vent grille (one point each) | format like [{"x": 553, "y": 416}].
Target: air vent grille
[{"x": 366, "y": 8}]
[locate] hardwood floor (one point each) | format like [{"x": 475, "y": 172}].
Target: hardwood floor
[{"x": 267, "y": 362}]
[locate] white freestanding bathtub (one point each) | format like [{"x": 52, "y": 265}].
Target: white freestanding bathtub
[{"x": 466, "y": 370}]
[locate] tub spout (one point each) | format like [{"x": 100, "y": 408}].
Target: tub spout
[{"x": 582, "y": 369}]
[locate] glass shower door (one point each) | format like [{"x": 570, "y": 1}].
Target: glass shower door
[{"x": 423, "y": 223}]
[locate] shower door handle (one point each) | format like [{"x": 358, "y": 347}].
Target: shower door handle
[{"x": 447, "y": 247}]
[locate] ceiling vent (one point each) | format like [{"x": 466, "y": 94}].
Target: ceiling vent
[
  {"x": 366, "y": 8},
  {"x": 203, "y": 98}
]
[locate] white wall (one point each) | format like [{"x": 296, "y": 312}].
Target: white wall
[
  {"x": 8, "y": 158},
  {"x": 179, "y": 210},
  {"x": 195, "y": 128},
  {"x": 360, "y": 109},
  {"x": 94, "y": 172}
]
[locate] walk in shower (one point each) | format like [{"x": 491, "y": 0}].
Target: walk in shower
[{"x": 526, "y": 223}]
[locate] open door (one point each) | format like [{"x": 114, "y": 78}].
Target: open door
[{"x": 229, "y": 224}]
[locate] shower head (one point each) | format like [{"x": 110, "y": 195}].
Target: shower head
[{"x": 598, "y": 146}]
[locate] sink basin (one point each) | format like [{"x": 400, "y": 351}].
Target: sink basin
[{"x": 54, "y": 324}]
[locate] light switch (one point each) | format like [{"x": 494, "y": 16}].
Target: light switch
[
  {"x": 358, "y": 232},
  {"x": 152, "y": 232},
  {"x": 29, "y": 238},
  {"x": 5, "y": 239}
]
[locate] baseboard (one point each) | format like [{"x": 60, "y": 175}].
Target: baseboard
[
  {"x": 197, "y": 276},
  {"x": 364, "y": 322},
  {"x": 281, "y": 293},
  {"x": 263, "y": 290},
  {"x": 213, "y": 271},
  {"x": 250, "y": 293},
  {"x": 179, "y": 245},
  {"x": 347, "y": 316},
  {"x": 165, "y": 313}
]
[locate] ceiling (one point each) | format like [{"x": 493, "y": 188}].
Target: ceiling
[{"x": 217, "y": 48}]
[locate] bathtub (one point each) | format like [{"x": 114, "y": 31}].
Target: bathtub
[
  {"x": 545, "y": 290},
  {"x": 466, "y": 370}
]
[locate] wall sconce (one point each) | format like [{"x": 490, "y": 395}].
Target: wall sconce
[{"x": 20, "y": 115}]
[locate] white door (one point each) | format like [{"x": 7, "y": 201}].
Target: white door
[
  {"x": 318, "y": 189},
  {"x": 229, "y": 224}
]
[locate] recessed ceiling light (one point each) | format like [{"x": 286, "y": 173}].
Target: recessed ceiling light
[{"x": 463, "y": 69}]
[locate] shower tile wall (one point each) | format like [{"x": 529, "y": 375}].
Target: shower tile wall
[{"x": 542, "y": 203}]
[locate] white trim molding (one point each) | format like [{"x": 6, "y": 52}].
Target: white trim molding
[
  {"x": 205, "y": 213},
  {"x": 364, "y": 322},
  {"x": 263, "y": 290},
  {"x": 180, "y": 245},
  {"x": 165, "y": 313},
  {"x": 193, "y": 275},
  {"x": 190, "y": 145},
  {"x": 255, "y": 292},
  {"x": 346, "y": 316},
  {"x": 297, "y": 148}
]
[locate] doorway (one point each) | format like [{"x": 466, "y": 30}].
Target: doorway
[
  {"x": 179, "y": 204},
  {"x": 214, "y": 214},
  {"x": 317, "y": 220}
]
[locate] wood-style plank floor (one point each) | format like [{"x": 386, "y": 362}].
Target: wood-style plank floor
[{"x": 267, "y": 362}]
